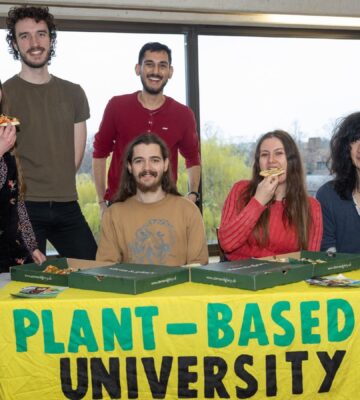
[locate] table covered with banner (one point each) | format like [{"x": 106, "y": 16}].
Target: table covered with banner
[{"x": 190, "y": 341}]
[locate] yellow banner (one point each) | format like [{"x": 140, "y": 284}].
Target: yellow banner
[{"x": 189, "y": 341}]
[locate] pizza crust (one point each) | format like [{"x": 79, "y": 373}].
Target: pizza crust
[
  {"x": 6, "y": 120},
  {"x": 272, "y": 172}
]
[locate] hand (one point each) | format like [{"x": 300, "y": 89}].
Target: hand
[
  {"x": 7, "y": 138},
  {"x": 38, "y": 256},
  {"x": 192, "y": 197},
  {"x": 266, "y": 189}
]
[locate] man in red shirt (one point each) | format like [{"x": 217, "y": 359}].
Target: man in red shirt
[{"x": 149, "y": 110}]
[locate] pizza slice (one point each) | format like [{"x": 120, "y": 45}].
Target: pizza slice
[
  {"x": 6, "y": 120},
  {"x": 272, "y": 172}
]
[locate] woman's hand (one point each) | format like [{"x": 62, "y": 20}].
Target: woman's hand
[
  {"x": 266, "y": 189},
  {"x": 7, "y": 138},
  {"x": 38, "y": 256}
]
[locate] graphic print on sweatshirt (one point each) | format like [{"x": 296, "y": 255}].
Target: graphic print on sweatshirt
[{"x": 154, "y": 243}]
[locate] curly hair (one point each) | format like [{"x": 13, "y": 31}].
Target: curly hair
[
  {"x": 16, "y": 14},
  {"x": 128, "y": 187},
  {"x": 340, "y": 163},
  {"x": 297, "y": 208}
]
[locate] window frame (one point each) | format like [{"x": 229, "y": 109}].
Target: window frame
[{"x": 191, "y": 35}]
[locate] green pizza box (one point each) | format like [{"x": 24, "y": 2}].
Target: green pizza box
[
  {"x": 251, "y": 274},
  {"x": 128, "y": 278},
  {"x": 324, "y": 263},
  {"x": 35, "y": 273}
]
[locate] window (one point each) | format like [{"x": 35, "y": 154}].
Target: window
[
  {"x": 103, "y": 64},
  {"x": 250, "y": 81},
  {"x": 252, "y": 85}
]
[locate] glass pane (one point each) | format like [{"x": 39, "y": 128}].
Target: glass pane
[
  {"x": 252, "y": 85},
  {"x": 103, "y": 64}
]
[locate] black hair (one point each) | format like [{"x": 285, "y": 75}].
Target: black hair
[
  {"x": 153, "y": 47},
  {"x": 340, "y": 163}
]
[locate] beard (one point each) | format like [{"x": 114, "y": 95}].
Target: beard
[
  {"x": 38, "y": 64},
  {"x": 151, "y": 90},
  {"x": 146, "y": 188}
]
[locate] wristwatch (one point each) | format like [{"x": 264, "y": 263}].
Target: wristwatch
[{"x": 196, "y": 194}]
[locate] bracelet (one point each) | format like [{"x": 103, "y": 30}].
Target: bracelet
[{"x": 196, "y": 194}]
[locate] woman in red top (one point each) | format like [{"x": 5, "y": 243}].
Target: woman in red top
[{"x": 274, "y": 214}]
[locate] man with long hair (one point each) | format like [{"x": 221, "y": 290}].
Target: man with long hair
[
  {"x": 273, "y": 214},
  {"x": 340, "y": 198},
  {"x": 148, "y": 110},
  {"x": 149, "y": 221},
  {"x": 52, "y": 137}
]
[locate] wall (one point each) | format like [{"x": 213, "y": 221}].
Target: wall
[{"x": 329, "y": 13}]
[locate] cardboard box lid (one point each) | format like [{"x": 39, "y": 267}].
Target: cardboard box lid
[
  {"x": 249, "y": 266},
  {"x": 77, "y": 263},
  {"x": 131, "y": 271},
  {"x": 295, "y": 254}
]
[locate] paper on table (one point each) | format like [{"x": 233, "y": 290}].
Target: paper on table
[
  {"x": 334, "y": 281},
  {"x": 39, "y": 292}
]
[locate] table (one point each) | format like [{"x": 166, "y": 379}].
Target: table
[{"x": 188, "y": 341}]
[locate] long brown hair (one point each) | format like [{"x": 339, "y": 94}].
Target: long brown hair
[
  {"x": 297, "y": 208},
  {"x": 21, "y": 183},
  {"x": 127, "y": 187}
]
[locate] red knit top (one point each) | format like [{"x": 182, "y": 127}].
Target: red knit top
[
  {"x": 125, "y": 118},
  {"x": 236, "y": 228}
]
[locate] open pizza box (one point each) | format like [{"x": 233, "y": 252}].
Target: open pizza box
[
  {"x": 323, "y": 263},
  {"x": 77, "y": 263},
  {"x": 251, "y": 273},
  {"x": 128, "y": 278},
  {"x": 35, "y": 273},
  {"x": 266, "y": 272}
]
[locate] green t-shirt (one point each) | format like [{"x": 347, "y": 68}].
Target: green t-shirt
[{"x": 45, "y": 141}]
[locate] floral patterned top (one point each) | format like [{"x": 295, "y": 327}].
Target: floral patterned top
[{"x": 17, "y": 238}]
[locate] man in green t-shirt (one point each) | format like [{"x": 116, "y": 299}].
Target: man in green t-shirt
[{"x": 52, "y": 137}]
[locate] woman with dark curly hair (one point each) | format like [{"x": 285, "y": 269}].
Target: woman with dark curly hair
[
  {"x": 273, "y": 214},
  {"x": 340, "y": 198}
]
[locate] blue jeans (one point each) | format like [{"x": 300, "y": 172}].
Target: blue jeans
[{"x": 63, "y": 224}]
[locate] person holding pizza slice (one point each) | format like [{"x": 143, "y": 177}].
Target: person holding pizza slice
[
  {"x": 51, "y": 142},
  {"x": 272, "y": 213},
  {"x": 17, "y": 240}
]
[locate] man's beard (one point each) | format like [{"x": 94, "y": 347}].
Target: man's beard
[
  {"x": 151, "y": 90},
  {"x": 148, "y": 188},
  {"x": 30, "y": 64}
]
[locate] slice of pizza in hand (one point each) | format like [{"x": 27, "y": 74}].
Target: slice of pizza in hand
[
  {"x": 7, "y": 120},
  {"x": 272, "y": 172}
]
